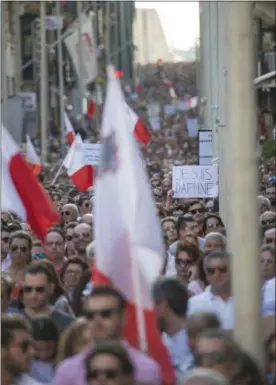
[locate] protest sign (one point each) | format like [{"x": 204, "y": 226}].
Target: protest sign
[
  {"x": 195, "y": 181},
  {"x": 205, "y": 147},
  {"x": 92, "y": 153}
]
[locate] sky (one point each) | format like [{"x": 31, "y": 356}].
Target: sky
[{"x": 180, "y": 20}]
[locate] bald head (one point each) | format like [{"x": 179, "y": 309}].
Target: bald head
[
  {"x": 82, "y": 238},
  {"x": 69, "y": 212},
  {"x": 87, "y": 218}
]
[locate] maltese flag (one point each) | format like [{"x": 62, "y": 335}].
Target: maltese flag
[
  {"x": 80, "y": 173},
  {"x": 21, "y": 193},
  {"x": 69, "y": 130},
  {"x": 129, "y": 246},
  {"x": 32, "y": 158},
  {"x": 140, "y": 131}
]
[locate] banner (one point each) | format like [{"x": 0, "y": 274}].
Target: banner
[
  {"x": 92, "y": 153},
  {"x": 88, "y": 49},
  {"x": 195, "y": 181}
]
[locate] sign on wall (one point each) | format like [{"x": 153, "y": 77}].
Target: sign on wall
[{"x": 205, "y": 147}]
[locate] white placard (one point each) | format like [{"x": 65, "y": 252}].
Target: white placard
[
  {"x": 92, "y": 153},
  {"x": 169, "y": 109},
  {"x": 205, "y": 147},
  {"x": 192, "y": 127},
  {"x": 195, "y": 181}
]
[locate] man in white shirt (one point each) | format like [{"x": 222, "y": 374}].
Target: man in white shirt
[
  {"x": 171, "y": 298},
  {"x": 217, "y": 298}
]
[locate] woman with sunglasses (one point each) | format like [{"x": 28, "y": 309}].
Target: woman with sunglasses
[
  {"x": 20, "y": 246},
  {"x": 109, "y": 364}
]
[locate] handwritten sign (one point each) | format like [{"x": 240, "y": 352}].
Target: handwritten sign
[
  {"x": 195, "y": 181},
  {"x": 92, "y": 153}
]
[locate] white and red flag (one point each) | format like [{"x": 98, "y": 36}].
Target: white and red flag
[
  {"x": 32, "y": 157},
  {"x": 193, "y": 102},
  {"x": 79, "y": 172},
  {"x": 129, "y": 246},
  {"x": 138, "y": 128},
  {"x": 21, "y": 192},
  {"x": 69, "y": 130}
]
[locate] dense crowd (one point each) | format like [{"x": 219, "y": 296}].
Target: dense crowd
[{"x": 59, "y": 328}]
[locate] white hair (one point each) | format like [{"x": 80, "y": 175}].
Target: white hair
[
  {"x": 204, "y": 376},
  {"x": 90, "y": 250},
  {"x": 215, "y": 235}
]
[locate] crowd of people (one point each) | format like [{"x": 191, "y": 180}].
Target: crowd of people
[{"x": 59, "y": 328}]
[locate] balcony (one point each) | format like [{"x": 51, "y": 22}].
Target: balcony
[{"x": 267, "y": 62}]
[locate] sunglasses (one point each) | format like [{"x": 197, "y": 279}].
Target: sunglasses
[
  {"x": 186, "y": 262},
  {"x": 23, "y": 249},
  {"x": 73, "y": 272},
  {"x": 24, "y": 345},
  {"x": 37, "y": 289},
  {"x": 268, "y": 222},
  {"x": 5, "y": 239},
  {"x": 270, "y": 240},
  {"x": 211, "y": 357},
  {"x": 63, "y": 213},
  {"x": 84, "y": 235},
  {"x": 213, "y": 225},
  {"x": 107, "y": 373},
  {"x": 195, "y": 211},
  {"x": 212, "y": 270},
  {"x": 69, "y": 237},
  {"x": 104, "y": 313}
]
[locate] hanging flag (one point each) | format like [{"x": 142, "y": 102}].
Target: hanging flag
[
  {"x": 32, "y": 158},
  {"x": 87, "y": 45},
  {"x": 140, "y": 131},
  {"x": 21, "y": 193},
  {"x": 129, "y": 246},
  {"x": 69, "y": 130},
  {"x": 80, "y": 173}
]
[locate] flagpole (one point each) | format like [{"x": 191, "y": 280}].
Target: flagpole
[
  {"x": 140, "y": 318},
  {"x": 4, "y": 103},
  {"x": 61, "y": 83},
  {"x": 43, "y": 83},
  {"x": 57, "y": 174},
  {"x": 107, "y": 33},
  {"x": 80, "y": 58}
]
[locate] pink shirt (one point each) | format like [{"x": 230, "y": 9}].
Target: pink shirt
[{"x": 72, "y": 370}]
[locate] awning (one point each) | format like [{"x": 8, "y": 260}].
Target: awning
[{"x": 266, "y": 81}]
